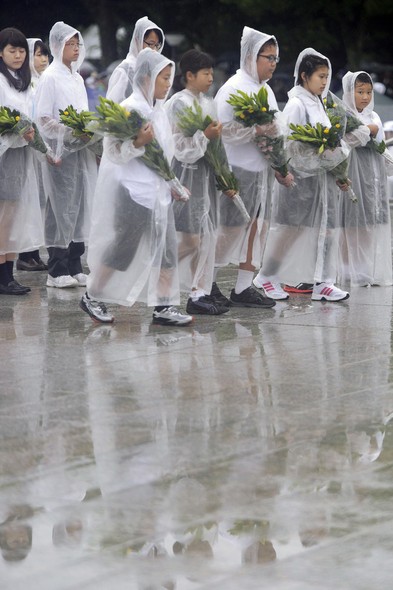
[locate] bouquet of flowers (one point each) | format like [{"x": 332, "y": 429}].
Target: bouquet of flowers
[
  {"x": 334, "y": 106},
  {"x": 78, "y": 122},
  {"x": 115, "y": 120},
  {"x": 189, "y": 121},
  {"x": 253, "y": 109},
  {"x": 324, "y": 138},
  {"x": 12, "y": 121}
]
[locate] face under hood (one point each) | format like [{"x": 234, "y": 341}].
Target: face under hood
[{"x": 348, "y": 83}]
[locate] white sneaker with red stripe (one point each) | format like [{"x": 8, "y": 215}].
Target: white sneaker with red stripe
[
  {"x": 271, "y": 288},
  {"x": 328, "y": 292}
]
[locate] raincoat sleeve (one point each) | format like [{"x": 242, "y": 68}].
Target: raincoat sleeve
[
  {"x": 121, "y": 152},
  {"x": 358, "y": 137},
  {"x": 117, "y": 85},
  {"x": 233, "y": 133},
  {"x": 187, "y": 149},
  {"x": 11, "y": 140},
  {"x": 387, "y": 156}
]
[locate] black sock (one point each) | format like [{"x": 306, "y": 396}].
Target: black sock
[
  {"x": 4, "y": 278},
  {"x": 10, "y": 270}
]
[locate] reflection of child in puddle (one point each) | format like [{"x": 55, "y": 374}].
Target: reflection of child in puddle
[
  {"x": 15, "y": 536},
  {"x": 68, "y": 533}
]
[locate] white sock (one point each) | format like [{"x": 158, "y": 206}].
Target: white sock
[
  {"x": 197, "y": 294},
  {"x": 244, "y": 280}
]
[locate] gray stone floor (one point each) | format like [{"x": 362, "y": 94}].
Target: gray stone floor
[{"x": 249, "y": 451}]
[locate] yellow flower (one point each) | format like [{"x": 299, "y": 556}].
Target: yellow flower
[
  {"x": 17, "y": 118},
  {"x": 66, "y": 113},
  {"x": 250, "y": 110},
  {"x": 324, "y": 139},
  {"x": 326, "y": 130},
  {"x": 242, "y": 116},
  {"x": 263, "y": 109},
  {"x": 334, "y": 105},
  {"x": 338, "y": 125}
]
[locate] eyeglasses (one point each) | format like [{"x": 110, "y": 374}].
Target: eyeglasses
[
  {"x": 72, "y": 44},
  {"x": 271, "y": 58},
  {"x": 153, "y": 45}
]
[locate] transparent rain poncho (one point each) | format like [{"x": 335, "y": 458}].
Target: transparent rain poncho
[
  {"x": 365, "y": 241},
  {"x": 20, "y": 215},
  {"x": 133, "y": 248},
  {"x": 34, "y": 74},
  {"x": 120, "y": 82},
  {"x": 252, "y": 170},
  {"x": 196, "y": 221},
  {"x": 69, "y": 186},
  {"x": 303, "y": 239}
]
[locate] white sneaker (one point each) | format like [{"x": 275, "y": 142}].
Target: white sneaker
[
  {"x": 328, "y": 292},
  {"x": 96, "y": 310},
  {"x": 170, "y": 316},
  {"x": 271, "y": 289},
  {"x": 81, "y": 278},
  {"x": 62, "y": 282}
]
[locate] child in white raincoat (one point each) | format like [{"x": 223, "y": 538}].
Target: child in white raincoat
[
  {"x": 302, "y": 246},
  {"x": 20, "y": 214},
  {"x": 70, "y": 185},
  {"x": 365, "y": 245},
  {"x": 146, "y": 34},
  {"x": 39, "y": 61},
  {"x": 197, "y": 220},
  {"x": 133, "y": 249},
  {"x": 240, "y": 242}
]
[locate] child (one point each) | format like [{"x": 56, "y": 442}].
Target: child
[
  {"x": 303, "y": 240},
  {"x": 20, "y": 215},
  {"x": 70, "y": 185},
  {"x": 133, "y": 250},
  {"x": 39, "y": 61},
  {"x": 239, "y": 242},
  {"x": 196, "y": 221},
  {"x": 146, "y": 34},
  {"x": 365, "y": 246}
]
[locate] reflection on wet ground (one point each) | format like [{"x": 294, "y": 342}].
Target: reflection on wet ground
[{"x": 253, "y": 450}]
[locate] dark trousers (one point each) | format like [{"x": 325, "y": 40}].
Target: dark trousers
[{"x": 65, "y": 261}]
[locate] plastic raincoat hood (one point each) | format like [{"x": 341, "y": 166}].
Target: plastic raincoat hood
[
  {"x": 250, "y": 44},
  {"x": 59, "y": 34},
  {"x": 141, "y": 27},
  {"x": 348, "y": 83}
]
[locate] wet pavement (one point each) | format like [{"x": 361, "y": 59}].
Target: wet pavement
[{"x": 249, "y": 451}]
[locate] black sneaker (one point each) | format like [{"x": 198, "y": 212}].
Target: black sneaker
[
  {"x": 218, "y": 296},
  {"x": 250, "y": 298},
  {"x": 205, "y": 305}
]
